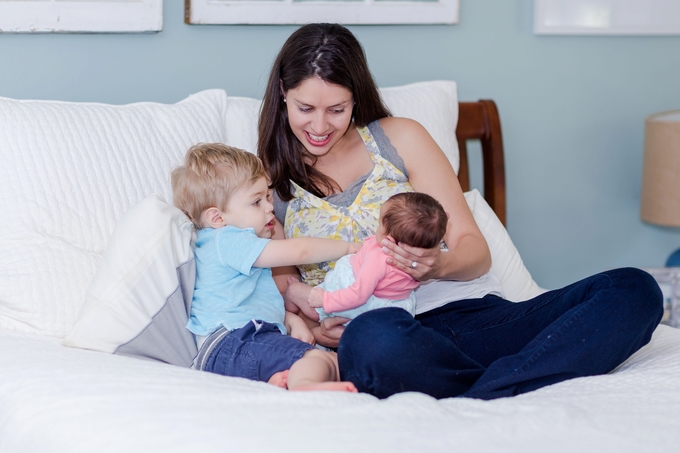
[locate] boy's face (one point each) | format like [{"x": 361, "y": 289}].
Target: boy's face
[{"x": 250, "y": 207}]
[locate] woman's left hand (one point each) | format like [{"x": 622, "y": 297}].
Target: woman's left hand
[
  {"x": 421, "y": 264},
  {"x": 330, "y": 330}
]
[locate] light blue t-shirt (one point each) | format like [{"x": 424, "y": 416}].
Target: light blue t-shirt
[{"x": 229, "y": 291}]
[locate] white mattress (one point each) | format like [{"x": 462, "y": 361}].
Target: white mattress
[{"x": 57, "y": 399}]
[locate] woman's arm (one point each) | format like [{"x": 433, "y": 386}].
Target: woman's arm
[{"x": 430, "y": 172}]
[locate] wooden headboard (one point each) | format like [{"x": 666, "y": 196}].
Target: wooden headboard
[{"x": 480, "y": 121}]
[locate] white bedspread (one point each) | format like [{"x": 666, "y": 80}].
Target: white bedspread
[{"x": 56, "y": 399}]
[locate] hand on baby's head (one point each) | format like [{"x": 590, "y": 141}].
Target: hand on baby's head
[{"x": 415, "y": 219}]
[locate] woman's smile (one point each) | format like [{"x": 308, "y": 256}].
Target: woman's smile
[{"x": 318, "y": 140}]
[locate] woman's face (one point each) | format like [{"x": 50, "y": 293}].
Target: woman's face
[{"x": 319, "y": 114}]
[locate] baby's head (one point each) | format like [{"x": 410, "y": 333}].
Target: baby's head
[
  {"x": 212, "y": 173},
  {"x": 413, "y": 218}
]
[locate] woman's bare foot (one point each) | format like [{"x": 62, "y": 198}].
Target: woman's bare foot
[
  {"x": 343, "y": 386},
  {"x": 279, "y": 379}
]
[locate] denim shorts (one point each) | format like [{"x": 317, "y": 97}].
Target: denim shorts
[{"x": 255, "y": 351}]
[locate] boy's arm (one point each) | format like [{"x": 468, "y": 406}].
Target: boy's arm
[
  {"x": 297, "y": 328},
  {"x": 303, "y": 250},
  {"x": 373, "y": 269}
]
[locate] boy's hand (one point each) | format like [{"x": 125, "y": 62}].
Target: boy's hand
[
  {"x": 354, "y": 247},
  {"x": 329, "y": 331}
]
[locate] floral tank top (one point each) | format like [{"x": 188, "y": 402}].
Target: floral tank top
[{"x": 311, "y": 216}]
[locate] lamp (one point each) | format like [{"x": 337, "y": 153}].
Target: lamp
[{"x": 660, "y": 200}]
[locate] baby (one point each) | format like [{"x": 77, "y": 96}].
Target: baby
[
  {"x": 237, "y": 312},
  {"x": 365, "y": 281}
]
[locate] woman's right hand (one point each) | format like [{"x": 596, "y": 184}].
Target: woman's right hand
[
  {"x": 421, "y": 264},
  {"x": 329, "y": 331}
]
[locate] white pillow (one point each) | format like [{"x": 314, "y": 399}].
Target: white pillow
[
  {"x": 242, "y": 117},
  {"x": 506, "y": 264},
  {"x": 434, "y": 105},
  {"x": 139, "y": 300},
  {"x": 69, "y": 171}
]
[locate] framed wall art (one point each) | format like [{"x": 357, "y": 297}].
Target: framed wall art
[
  {"x": 82, "y": 16},
  {"x": 305, "y": 11},
  {"x": 607, "y": 17}
]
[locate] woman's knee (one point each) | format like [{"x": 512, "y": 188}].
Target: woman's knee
[
  {"x": 639, "y": 291},
  {"x": 375, "y": 336},
  {"x": 377, "y": 325}
]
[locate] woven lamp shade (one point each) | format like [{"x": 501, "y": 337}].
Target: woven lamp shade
[{"x": 660, "y": 201}]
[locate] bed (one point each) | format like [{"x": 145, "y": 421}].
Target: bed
[{"x": 93, "y": 358}]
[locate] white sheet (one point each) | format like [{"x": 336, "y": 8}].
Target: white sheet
[{"x": 57, "y": 399}]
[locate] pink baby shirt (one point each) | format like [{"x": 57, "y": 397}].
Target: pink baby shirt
[{"x": 372, "y": 275}]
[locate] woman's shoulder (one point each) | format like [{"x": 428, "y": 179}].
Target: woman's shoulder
[
  {"x": 405, "y": 134},
  {"x": 399, "y": 129},
  {"x": 396, "y": 124}
]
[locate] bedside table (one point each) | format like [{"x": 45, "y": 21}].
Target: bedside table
[{"x": 668, "y": 279}]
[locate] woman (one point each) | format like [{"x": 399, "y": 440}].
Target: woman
[{"x": 335, "y": 154}]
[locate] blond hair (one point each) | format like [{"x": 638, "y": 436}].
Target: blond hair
[{"x": 211, "y": 173}]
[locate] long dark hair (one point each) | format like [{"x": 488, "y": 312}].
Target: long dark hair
[{"x": 332, "y": 53}]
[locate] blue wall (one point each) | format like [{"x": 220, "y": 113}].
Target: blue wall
[{"x": 572, "y": 108}]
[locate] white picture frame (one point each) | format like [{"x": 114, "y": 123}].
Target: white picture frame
[
  {"x": 199, "y": 12},
  {"x": 82, "y": 16},
  {"x": 607, "y": 17}
]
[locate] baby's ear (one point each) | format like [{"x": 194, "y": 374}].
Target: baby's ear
[{"x": 213, "y": 217}]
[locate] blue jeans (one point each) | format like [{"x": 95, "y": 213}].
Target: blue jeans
[
  {"x": 255, "y": 351},
  {"x": 490, "y": 348}
]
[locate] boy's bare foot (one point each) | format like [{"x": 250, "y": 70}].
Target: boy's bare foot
[
  {"x": 343, "y": 386},
  {"x": 279, "y": 379}
]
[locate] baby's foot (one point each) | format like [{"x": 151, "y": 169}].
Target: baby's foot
[
  {"x": 279, "y": 379},
  {"x": 297, "y": 291},
  {"x": 343, "y": 386}
]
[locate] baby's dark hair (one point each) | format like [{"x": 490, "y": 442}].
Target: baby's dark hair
[{"x": 415, "y": 219}]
